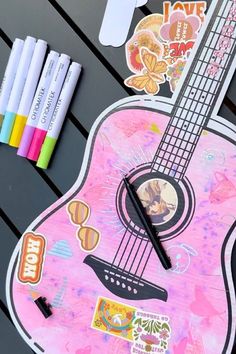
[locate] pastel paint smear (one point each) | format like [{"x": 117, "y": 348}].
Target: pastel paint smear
[
  {"x": 58, "y": 299},
  {"x": 155, "y": 128},
  {"x": 86, "y": 350},
  {"x": 222, "y": 190},
  {"x": 61, "y": 249},
  {"x": 180, "y": 256}
]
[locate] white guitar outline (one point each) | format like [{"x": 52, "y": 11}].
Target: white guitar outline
[{"x": 216, "y": 124}]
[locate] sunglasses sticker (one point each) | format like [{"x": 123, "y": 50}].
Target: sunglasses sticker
[
  {"x": 87, "y": 236},
  {"x": 161, "y": 44}
]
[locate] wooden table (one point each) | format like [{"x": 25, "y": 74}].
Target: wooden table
[{"x": 72, "y": 27}]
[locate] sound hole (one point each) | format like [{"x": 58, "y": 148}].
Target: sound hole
[
  {"x": 162, "y": 197},
  {"x": 159, "y": 199}
]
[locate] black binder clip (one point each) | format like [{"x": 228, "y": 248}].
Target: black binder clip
[{"x": 44, "y": 307}]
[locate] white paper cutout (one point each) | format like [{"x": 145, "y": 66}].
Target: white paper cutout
[{"x": 116, "y": 21}]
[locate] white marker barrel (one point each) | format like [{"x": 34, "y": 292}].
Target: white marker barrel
[
  {"x": 28, "y": 92},
  {"x": 64, "y": 100},
  {"x": 9, "y": 75},
  {"x": 21, "y": 74},
  {"x": 17, "y": 89},
  {"x": 59, "y": 115},
  {"x": 38, "y": 101},
  {"x": 49, "y": 106}
]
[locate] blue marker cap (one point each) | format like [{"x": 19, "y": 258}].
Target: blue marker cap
[{"x": 7, "y": 127}]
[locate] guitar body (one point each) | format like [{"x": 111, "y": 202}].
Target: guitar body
[
  {"x": 89, "y": 254},
  {"x": 196, "y": 294}
]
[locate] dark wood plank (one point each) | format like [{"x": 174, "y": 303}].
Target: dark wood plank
[
  {"x": 226, "y": 113},
  {"x": 9, "y": 240},
  {"x": 231, "y": 90},
  {"x": 5, "y": 51},
  {"x": 11, "y": 341},
  {"x": 40, "y": 19},
  {"x": 24, "y": 194},
  {"x": 88, "y": 16},
  {"x": 67, "y": 159}
]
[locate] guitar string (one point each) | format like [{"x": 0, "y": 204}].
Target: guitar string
[
  {"x": 140, "y": 261},
  {"x": 121, "y": 242},
  {"x": 127, "y": 243},
  {"x": 136, "y": 254},
  {"x": 197, "y": 91},
  {"x": 182, "y": 108},
  {"x": 127, "y": 257},
  {"x": 170, "y": 124},
  {"x": 144, "y": 267},
  {"x": 124, "y": 251},
  {"x": 130, "y": 252}
]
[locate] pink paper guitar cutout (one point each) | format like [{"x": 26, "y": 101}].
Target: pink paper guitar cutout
[{"x": 111, "y": 295}]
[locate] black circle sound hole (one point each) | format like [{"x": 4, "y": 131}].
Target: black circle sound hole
[{"x": 162, "y": 199}]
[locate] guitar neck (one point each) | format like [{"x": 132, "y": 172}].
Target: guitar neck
[{"x": 200, "y": 90}]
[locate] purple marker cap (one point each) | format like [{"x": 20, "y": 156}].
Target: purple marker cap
[{"x": 26, "y": 140}]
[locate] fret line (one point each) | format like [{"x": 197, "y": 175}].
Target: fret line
[{"x": 198, "y": 103}]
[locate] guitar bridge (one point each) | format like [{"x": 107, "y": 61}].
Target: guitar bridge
[{"x": 124, "y": 284}]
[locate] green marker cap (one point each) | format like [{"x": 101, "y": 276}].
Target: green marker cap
[{"x": 46, "y": 152}]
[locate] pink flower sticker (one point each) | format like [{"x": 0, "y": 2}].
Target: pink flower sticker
[{"x": 180, "y": 27}]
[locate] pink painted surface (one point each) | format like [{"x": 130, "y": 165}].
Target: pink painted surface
[{"x": 197, "y": 304}]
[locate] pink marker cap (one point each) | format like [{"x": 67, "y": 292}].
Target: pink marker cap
[
  {"x": 26, "y": 141},
  {"x": 36, "y": 144}
]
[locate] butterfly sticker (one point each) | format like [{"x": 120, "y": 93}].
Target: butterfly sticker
[{"x": 152, "y": 74}]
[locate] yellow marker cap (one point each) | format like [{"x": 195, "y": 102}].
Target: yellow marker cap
[{"x": 17, "y": 130}]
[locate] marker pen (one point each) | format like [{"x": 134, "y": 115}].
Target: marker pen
[
  {"x": 9, "y": 76},
  {"x": 37, "y": 105},
  {"x": 48, "y": 107},
  {"x": 17, "y": 89},
  {"x": 59, "y": 115},
  {"x": 28, "y": 92}
]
